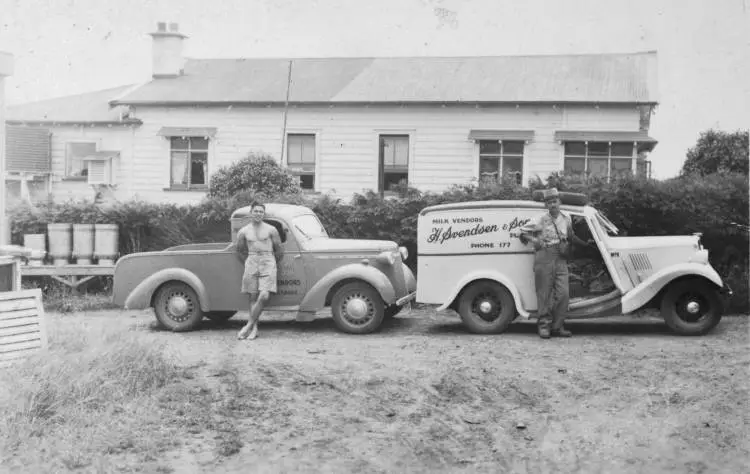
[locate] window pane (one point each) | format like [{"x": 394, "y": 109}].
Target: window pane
[
  {"x": 76, "y": 153},
  {"x": 575, "y": 165},
  {"x": 198, "y": 143},
  {"x": 307, "y": 181},
  {"x": 395, "y": 150},
  {"x": 179, "y": 167},
  {"x": 489, "y": 165},
  {"x": 598, "y": 167},
  {"x": 308, "y": 149},
  {"x": 621, "y": 166},
  {"x": 624, "y": 149},
  {"x": 512, "y": 148},
  {"x": 394, "y": 179},
  {"x": 575, "y": 148},
  {"x": 489, "y": 147},
  {"x": 198, "y": 168},
  {"x": 513, "y": 167},
  {"x": 598, "y": 149},
  {"x": 179, "y": 143},
  {"x": 294, "y": 150}
]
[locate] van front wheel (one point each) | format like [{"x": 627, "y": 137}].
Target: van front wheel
[
  {"x": 691, "y": 308},
  {"x": 486, "y": 307}
]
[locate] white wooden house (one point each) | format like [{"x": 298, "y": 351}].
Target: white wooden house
[{"x": 346, "y": 125}]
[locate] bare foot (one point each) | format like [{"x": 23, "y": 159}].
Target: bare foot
[
  {"x": 254, "y": 333},
  {"x": 243, "y": 333}
]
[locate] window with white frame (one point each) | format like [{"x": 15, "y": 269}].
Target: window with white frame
[
  {"x": 499, "y": 160},
  {"x": 75, "y": 152},
  {"x": 300, "y": 158},
  {"x": 189, "y": 162},
  {"x": 394, "y": 161},
  {"x": 602, "y": 159}
]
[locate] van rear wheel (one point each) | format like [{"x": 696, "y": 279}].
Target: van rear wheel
[
  {"x": 691, "y": 308},
  {"x": 177, "y": 307},
  {"x": 486, "y": 307}
]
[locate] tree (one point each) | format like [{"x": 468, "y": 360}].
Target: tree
[
  {"x": 256, "y": 173},
  {"x": 718, "y": 151}
]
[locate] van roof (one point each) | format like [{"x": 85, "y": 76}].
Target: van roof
[{"x": 494, "y": 204}]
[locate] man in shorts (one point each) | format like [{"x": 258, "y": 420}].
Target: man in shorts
[{"x": 259, "y": 247}]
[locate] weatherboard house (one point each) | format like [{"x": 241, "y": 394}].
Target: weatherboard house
[{"x": 343, "y": 125}]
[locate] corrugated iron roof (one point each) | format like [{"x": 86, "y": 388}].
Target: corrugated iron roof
[
  {"x": 92, "y": 107},
  {"x": 600, "y": 78}
]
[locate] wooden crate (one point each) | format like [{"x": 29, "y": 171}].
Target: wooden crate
[{"x": 22, "y": 326}]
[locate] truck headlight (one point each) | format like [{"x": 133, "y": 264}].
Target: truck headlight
[
  {"x": 386, "y": 258},
  {"x": 404, "y": 253}
]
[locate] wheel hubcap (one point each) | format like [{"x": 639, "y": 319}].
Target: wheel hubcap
[
  {"x": 693, "y": 307},
  {"x": 178, "y": 307},
  {"x": 486, "y": 306},
  {"x": 357, "y": 309}
]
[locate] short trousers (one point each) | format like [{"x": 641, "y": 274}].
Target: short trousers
[{"x": 260, "y": 274}]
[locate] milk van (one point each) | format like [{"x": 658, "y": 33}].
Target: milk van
[{"x": 471, "y": 260}]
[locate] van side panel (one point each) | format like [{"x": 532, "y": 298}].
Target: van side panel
[{"x": 454, "y": 243}]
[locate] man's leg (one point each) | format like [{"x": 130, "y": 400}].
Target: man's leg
[
  {"x": 562, "y": 293},
  {"x": 252, "y": 297},
  {"x": 543, "y": 280},
  {"x": 255, "y": 313}
]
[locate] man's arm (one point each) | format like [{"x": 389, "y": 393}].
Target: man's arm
[
  {"x": 530, "y": 233},
  {"x": 278, "y": 251},
  {"x": 240, "y": 246}
]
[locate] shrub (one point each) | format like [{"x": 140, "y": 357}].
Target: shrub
[{"x": 255, "y": 173}]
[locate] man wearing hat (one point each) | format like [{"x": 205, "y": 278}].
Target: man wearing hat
[{"x": 552, "y": 237}]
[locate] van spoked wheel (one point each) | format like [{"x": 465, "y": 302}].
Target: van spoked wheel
[
  {"x": 357, "y": 308},
  {"x": 691, "y": 308},
  {"x": 177, "y": 307},
  {"x": 486, "y": 307}
]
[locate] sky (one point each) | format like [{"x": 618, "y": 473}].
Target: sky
[{"x": 64, "y": 47}]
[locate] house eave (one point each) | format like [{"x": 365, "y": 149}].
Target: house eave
[
  {"x": 129, "y": 123},
  {"x": 376, "y": 103}
]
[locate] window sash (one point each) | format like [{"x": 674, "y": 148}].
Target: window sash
[
  {"x": 394, "y": 160},
  {"x": 500, "y": 158},
  {"x": 596, "y": 159},
  {"x": 300, "y": 150},
  {"x": 188, "y": 161}
]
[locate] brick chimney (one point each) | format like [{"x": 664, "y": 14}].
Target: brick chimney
[{"x": 166, "y": 51}]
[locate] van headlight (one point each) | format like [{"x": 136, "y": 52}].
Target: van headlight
[
  {"x": 386, "y": 257},
  {"x": 404, "y": 253}
]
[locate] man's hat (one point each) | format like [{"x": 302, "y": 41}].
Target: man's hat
[{"x": 551, "y": 194}]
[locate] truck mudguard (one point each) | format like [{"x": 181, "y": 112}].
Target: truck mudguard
[
  {"x": 647, "y": 289},
  {"x": 487, "y": 275},
  {"x": 316, "y": 296},
  {"x": 140, "y": 297}
]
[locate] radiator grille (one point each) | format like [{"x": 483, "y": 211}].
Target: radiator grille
[{"x": 640, "y": 262}]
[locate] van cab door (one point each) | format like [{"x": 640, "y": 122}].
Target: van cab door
[{"x": 292, "y": 282}]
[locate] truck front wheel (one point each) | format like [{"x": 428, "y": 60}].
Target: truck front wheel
[
  {"x": 357, "y": 308},
  {"x": 177, "y": 307},
  {"x": 691, "y": 307}
]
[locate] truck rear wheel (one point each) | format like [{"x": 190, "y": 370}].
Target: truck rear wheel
[
  {"x": 357, "y": 308},
  {"x": 486, "y": 307},
  {"x": 177, "y": 307},
  {"x": 691, "y": 307}
]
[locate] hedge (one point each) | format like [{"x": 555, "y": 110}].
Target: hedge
[{"x": 639, "y": 207}]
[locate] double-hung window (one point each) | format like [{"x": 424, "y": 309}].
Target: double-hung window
[
  {"x": 300, "y": 158},
  {"x": 500, "y": 160}
]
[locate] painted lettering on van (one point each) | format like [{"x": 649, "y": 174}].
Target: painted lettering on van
[{"x": 440, "y": 235}]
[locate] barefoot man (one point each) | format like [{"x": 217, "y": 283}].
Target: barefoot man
[{"x": 259, "y": 247}]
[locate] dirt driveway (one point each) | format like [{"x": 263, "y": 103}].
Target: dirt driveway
[{"x": 425, "y": 396}]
